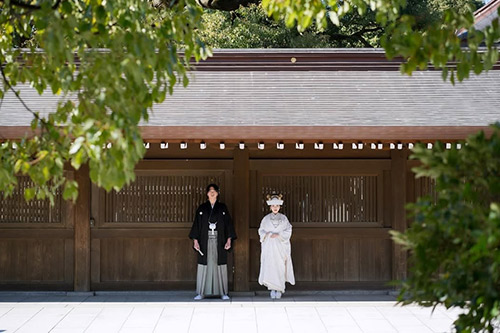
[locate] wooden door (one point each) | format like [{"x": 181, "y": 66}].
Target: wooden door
[
  {"x": 340, "y": 217},
  {"x": 36, "y": 242},
  {"x": 140, "y": 234}
]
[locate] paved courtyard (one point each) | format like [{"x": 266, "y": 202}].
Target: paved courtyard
[{"x": 177, "y": 312}]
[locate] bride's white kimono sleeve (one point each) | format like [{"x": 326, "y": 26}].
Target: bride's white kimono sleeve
[{"x": 276, "y": 266}]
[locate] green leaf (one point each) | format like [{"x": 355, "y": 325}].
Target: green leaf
[
  {"x": 70, "y": 190},
  {"x": 18, "y": 165},
  {"x": 29, "y": 193},
  {"x": 444, "y": 73},
  {"x": 25, "y": 167},
  {"x": 77, "y": 144},
  {"x": 334, "y": 17},
  {"x": 78, "y": 159}
]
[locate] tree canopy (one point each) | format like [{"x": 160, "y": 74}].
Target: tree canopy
[
  {"x": 112, "y": 60},
  {"x": 251, "y": 27}
]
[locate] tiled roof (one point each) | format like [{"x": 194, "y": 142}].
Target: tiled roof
[
  {"x": 485, "y": 15},
  {"x": 308, "y": 98}
]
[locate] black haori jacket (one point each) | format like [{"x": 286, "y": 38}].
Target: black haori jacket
[{"x": 224, "y": 229}]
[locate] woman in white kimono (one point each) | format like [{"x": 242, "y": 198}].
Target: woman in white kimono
[{"x": 275, "y": 260}]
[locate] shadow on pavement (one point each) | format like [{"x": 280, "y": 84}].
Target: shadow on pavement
[{"x": 187, "y": 296}]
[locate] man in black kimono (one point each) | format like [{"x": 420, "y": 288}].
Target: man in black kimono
[{"x": 212, "y": 234}]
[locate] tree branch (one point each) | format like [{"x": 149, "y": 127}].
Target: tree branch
[
  {"x": 365, "y": 30},
  {"x": 357, "y": 35},
  {"x": 9, "y": 86},
  {"x": 363, "y": 41},
  {"x": 43, "y": 122}
]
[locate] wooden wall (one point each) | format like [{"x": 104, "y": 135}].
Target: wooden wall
[{"x": 342, "y": 205}]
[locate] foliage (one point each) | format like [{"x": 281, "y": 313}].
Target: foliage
[
  {"x": 455, "y": 239},
  {"x": 437, "y": 44},
  {"x": 250, "y": 27},
  {"x": 428, "y": 12},
  {"x": 462, "y": 6},
  {"x": 109, "y": 61}
]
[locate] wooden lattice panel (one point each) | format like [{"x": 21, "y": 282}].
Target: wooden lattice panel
[
  {"x": 331, "y": 199},
  {"x": 153, "y": 199},
  {"x": 425, "y": 186},
  {"x": 15, "y": 209}
]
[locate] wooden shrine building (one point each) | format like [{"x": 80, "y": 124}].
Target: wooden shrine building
[{"x": 329, "y": 129}]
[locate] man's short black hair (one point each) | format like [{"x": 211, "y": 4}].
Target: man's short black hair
[{"x": 215, "y": 187}]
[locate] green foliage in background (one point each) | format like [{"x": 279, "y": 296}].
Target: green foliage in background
[
  {"x": 251, "y": 27},
  {"x": 454, "y": 240}
]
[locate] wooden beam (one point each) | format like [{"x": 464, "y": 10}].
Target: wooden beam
[
  {"x": 37, "y": 233},
  {"x": 398, "y": 190},
  {"x": 135, "y": 230},
  {"x": 241, "y": 193},
  {"x": 321, "y": 166},
  {"x": 345, "y": 59},
  {"x": 82, "y": 231},
  {"x": 302, "y": 60},
  {"x": 288, "y": 134},
  {"x": 309, "y": 134},
  {"x": 327, "y": 232}
]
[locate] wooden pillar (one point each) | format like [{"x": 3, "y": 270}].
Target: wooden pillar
[
  {"x": 241, "y": 201},
  {"x": 399, "y": 222},
  {"x": 82, "y": 231}
]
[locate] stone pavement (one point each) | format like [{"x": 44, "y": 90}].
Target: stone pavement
[{"x": 139, "y": 312}]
